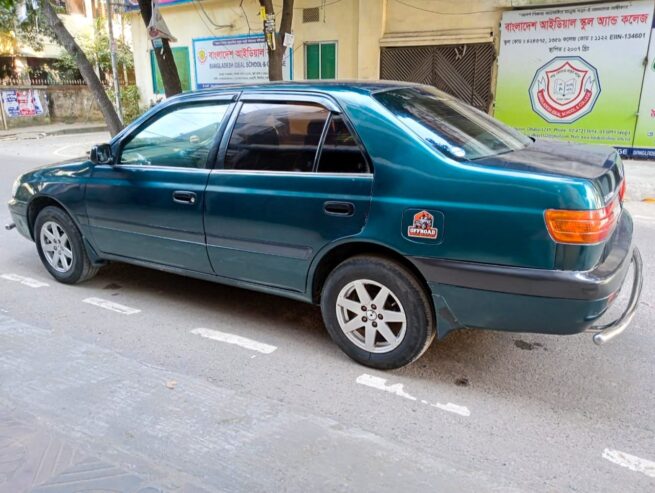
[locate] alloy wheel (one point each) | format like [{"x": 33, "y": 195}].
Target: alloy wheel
[
  {"x": 56, "y": 246},
  {"x": 371, "y": 316}
]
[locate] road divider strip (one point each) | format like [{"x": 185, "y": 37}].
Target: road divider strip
[
  {"x": 398, "y": 389},
  {"x": 244, "y": 342},
  {"x": 110, "y": 305},
  {"x": 26, "y": 281},
  {"x": 631, "y": 462}
]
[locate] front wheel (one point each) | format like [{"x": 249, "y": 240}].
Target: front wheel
[
  {"x": 61, "y": 248},
  {"x": 377, "y": 312}
]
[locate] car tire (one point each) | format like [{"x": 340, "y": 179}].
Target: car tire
[
  {"x": 406, "y": 306},
  {"x": 61, "y": 247}
]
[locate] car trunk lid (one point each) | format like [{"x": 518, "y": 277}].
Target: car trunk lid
[{"x": 599, "y": 164}]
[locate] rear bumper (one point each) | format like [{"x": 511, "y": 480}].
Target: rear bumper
[
  {"x": 607, "y": 332},
  {"x": 520, "y": 299}
]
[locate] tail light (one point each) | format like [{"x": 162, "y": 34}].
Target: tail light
[
  {"x": 582, "y": 227},
  {"x": 622, "y": 190}
]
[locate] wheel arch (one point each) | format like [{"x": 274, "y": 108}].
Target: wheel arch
[
  {"x": 330, "y": 259},
  {"x": 40, "y": 202}
]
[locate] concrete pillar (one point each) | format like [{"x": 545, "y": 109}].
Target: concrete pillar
[{"x": 372, "y": 16}]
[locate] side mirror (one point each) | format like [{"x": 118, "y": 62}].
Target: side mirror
[{"x": 101, "y": 154}]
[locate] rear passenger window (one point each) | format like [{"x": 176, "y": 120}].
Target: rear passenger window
[
  {"x": 276, "y": 137},
  {"x": 340, "y": 152}
]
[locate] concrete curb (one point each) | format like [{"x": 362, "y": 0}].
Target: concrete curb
[
  {"x": 82, "y": 130},
  {"x": 34, "y": 134}
]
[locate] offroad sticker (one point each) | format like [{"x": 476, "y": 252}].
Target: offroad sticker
[{"x": 423, "y": 226}]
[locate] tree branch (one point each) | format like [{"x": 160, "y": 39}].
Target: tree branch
[{"x": 84, "y": 66}]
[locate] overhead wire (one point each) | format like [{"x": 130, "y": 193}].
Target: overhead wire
[
  {"x": 202, "y": 8},
  {"x": 245, "y": 15},
  {"x": 439, "y": 12}
]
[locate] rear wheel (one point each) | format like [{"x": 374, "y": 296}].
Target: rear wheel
[
  {"x": 377, "y": 312},
  {"x": 61, "y": 247}
]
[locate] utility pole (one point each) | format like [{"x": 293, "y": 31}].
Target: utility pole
[{"x": 114, "y": 67}]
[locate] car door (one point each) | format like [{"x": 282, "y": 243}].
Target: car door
[
  {"x": 291, "y": 178},
  {"x": 149, "y": 204}
]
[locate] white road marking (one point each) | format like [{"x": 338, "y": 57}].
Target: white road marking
[
  {"x": 631, "y": 462},
  {"x": 244, "y": 342},
  {"x": 79, "y": 152},
  {"x": 453, "y": 408},
  {"x": 644, "y": 218},
  {"x": 381, "y": 384},
  {"x": 27, "y": 281},
  {"x": 110, "y": 305},
  {"x": 398, "y": 389}
]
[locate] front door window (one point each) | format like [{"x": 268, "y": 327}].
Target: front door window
[{"x": 180, "y": 138}]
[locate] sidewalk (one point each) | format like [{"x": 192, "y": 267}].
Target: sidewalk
[
  {"x": 39, "y": 131},
  {"x": 641, "y": 179}
]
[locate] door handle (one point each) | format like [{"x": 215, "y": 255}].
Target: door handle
[
  {"x": 339, "y": 208},
  {"x": 183, "y": 197}
]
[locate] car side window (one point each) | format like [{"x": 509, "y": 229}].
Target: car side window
[
  {"x": 340, "y": 152},
  {"x": 180, "y": 138},
  {"x": 276, "y": 137}
]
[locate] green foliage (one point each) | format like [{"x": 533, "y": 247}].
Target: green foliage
[
  {"x": 97, "y": 51},
  {"x": 30, "y": 32},
  {"x": 129, "y": 102}
]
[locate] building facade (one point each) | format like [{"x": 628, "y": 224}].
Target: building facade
[{"x": 453, "y": 45}]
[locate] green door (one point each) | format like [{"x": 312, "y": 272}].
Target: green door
[
  {"x": 148, "y": 205},
  {"x": 181, "y": 56},
  {"x": 321, "y": 60}
]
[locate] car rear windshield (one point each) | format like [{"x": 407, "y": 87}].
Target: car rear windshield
[{"x": 451, "y": 126}]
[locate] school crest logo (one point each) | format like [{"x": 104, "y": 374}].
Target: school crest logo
[
  {"x": 202, "y": 56},
  {"x": 565, "y": 89},
  {"x": 423, "y": 226}
]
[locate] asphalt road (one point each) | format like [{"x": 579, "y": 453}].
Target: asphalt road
[{"x": 138, "y": 400}]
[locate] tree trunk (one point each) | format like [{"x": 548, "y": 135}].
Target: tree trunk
[
  {"x": 84, "y": 66},
  {"x": 165, "y": 60},
  {"x": 275, "y": 57}
]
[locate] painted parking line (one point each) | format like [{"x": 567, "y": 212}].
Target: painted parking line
[
  {"x": 26, "y": 281},
  {"x": 110, "y": 305},
  {"x": 398, "y": 389},
  {"x": 631, "y": 462},
  {"x": 647, "y": 219},
  {"x": 78, "y": 150},
  {"x": 381, "y": 384},
  {"x": 244, "y": 342}
]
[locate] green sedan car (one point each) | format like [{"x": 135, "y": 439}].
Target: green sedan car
[{"x": 403, "y": 212}]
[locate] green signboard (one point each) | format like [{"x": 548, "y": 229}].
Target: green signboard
[
  {"x": 181, "y": 56},
  {"x": 574, "y": 73},
  {"x": 644, "y": 145}
]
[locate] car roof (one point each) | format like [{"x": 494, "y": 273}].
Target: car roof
[{"x": 325, "y": 87}]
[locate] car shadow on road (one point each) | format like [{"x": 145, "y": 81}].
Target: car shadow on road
[
  {"x": 206, "y": 297},
  {"x": 530, "y": 366}
]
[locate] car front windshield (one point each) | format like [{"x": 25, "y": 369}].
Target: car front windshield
[{"x": 451, "y": 126}]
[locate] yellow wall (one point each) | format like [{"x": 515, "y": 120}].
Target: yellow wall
[
  {"x": 451, "y": 21},
  {"x": 360, "y": 27},
  {"x": 339, "y": 22}
]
